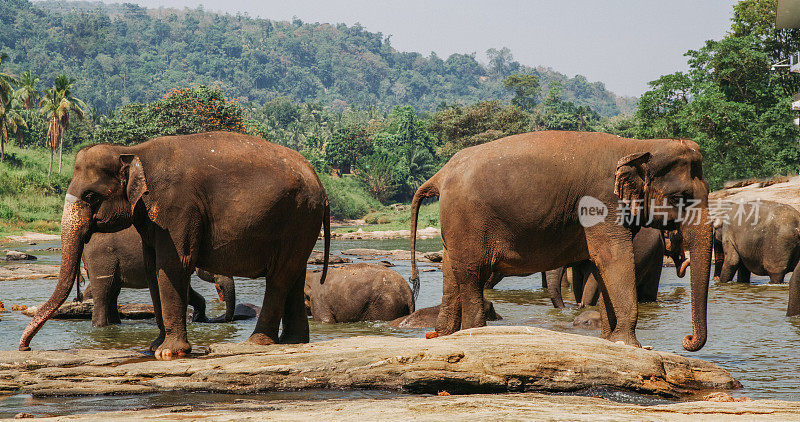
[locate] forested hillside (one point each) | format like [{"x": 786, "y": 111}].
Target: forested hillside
[{"x": 123, "y": 53}]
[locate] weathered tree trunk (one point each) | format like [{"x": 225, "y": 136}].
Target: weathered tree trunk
[
  {"x": 479, "y": 360},
  {"x": 60, "y": 151}
]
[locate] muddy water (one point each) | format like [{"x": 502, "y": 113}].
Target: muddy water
[{"x": 749, "y": 334}]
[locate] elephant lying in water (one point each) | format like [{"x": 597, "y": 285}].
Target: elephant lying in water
[
  {"x": 762, "y": 238},
  {"x": 358, "y": 292},
  {"x": 536, "y": 201},
  {"x": 115, "y": 260},
  {"x": 426, "y": 317},
  {"x": 649, "y": 248}
]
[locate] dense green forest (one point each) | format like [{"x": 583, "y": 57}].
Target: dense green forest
[
  {"x": 375, "y": 148},
  {"x": 126, "y": 54}
]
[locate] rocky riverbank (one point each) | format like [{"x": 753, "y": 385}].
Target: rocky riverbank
[{"x": 520, "y": 406}]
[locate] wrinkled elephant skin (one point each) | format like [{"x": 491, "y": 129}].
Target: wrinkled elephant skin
[
  {"x": 511, "y": 206},
  {"x": 228, "y": 203}
]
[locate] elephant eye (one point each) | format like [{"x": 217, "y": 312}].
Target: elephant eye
[{"x": 92, "y": 198}]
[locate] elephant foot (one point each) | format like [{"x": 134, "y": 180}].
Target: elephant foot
[
  {"x": 157, "y": 342},
  {"x": 261, "y": 339},
  {"x": 294, "y": 339},
  {"x": 625, "y": 338},
  {"x": 201, "y": 318},
  {"x": 172, "y": 349}
]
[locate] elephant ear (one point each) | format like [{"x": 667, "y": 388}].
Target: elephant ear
[
  {"x": 632, "y": 180},
  {"x": 136, "y": 182}
]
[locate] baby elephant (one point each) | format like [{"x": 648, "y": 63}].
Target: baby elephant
[
  {"x": 358, "y": 292},
  {"x": 426, "y": 317},
  {"x": 116, "y": 260}
]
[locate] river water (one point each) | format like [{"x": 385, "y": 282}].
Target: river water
[{"x": 749, "y": 334}]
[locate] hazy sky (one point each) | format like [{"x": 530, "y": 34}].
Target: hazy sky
[{"x": 624, "y": 43}]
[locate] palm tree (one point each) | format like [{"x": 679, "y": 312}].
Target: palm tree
[
  {"x": 57, "y": 104},
  {"x": 11, "y": 121},
  {"x": 27, "y": 91},
  {"x": 6, "y": 82},
  {"x": 27, "y": 94}
]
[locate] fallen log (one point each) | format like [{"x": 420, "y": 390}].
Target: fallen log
[{"x": 481, "y": 360}]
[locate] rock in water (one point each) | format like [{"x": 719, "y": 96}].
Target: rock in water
[
  {"x": 246, "y": 311},
  {"x": 434, "y": 256},
  {"x": 69, "y": 310},
  {"x": 19, "y": 256},
  {"x": 136, "y": 311}
]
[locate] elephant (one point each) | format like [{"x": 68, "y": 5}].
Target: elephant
[
  {"x": 760, "y": 237},
  {"x": 358, "y": 292},
  {"x": 649, "y": 247},
  {"x": 537, "y": 201},
  {"x": 228, "y": 203},
  {"x": 426, "y": 317},
  {"x": 115, "y": 260}
]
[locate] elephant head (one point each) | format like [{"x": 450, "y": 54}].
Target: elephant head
[
  {"x": 107, "y": 183},
  {"x": 665, "y": 189}
]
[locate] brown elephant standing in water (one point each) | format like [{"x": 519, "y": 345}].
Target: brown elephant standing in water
[
  {"x": 762, "y": 238},
  {"x": 114, "y": 261},
  {"x": 228, "y": 203},
  {"x": 512, "y": 206}
]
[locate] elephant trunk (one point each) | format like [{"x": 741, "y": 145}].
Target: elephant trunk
[
  {"x": 700, "y": 240},
  {"x": 75, "y": 222},
  {"x": 682, "y": 268}
]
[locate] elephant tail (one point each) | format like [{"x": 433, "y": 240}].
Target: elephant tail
[
  {"x": 428, "y": 189},
  {"x": 326, "y": 224}
]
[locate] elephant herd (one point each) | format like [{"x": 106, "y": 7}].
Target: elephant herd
[{"x": 602, "y": 209}]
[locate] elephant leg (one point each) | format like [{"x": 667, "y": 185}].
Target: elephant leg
[
  {"x": 647, "y": 287},
  {"x": 777, "y": 278},
  {"x": 295, "y": 320},
  {"x": 198, "y": 303},
  {"x": 742, "y": 274},
  {"x": 794, "y": 293},
  {"x": 152, "y": 285},
  {"x": 591, "y": 291},
  {"x": 105, "y": 284},
  {"x": 470, "y": 282},
  {"x": 173, "y": 274},
  {"x": 611, "y": 250},
  {"x": 729, "y": 267},
  {"x": 449, "y": 319},
  {"x": 554, "y": 286},
  {"x": 277, "y": 288}
]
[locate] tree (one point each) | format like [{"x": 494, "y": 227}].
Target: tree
[
  {"x": 28, "y": 95},
  {"x": 557, "y": 114},
  {"x": 11, "y": 121},
  {"x": 729, "y": 102},
  {"x": 525, "y": 89},
  {"x": 58, "y": 104},
  {"x": 460, "y": 127},
  {"x": 67, "y": 105},
  {"x": 7, "y": 82},
  {"x": 27, "y": 91},
  {"x": 348, "y": 144}
]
